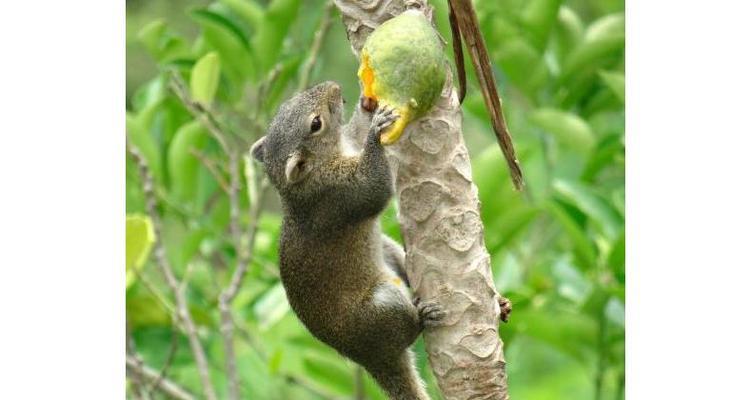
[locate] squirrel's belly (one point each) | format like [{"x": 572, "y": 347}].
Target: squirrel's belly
[
  {"x": 332, "y": 324},
  {"x": 329, "y": 308}
]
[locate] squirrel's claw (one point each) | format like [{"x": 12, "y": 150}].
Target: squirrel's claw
[
  {"x": 430, "y": 313},
  {"x": 506, "y": 307},
  {"x": 384, "y": 116}
]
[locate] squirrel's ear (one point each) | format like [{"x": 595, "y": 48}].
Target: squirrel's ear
[
  {"x": 257, "y": 149},
  {"x": 295, "y": 167}
]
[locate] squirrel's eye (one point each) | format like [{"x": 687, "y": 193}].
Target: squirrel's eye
[{"x": 316, "y": 124}]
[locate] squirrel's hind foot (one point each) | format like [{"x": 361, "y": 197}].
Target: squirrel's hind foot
[{"x": 431, "y": 314}]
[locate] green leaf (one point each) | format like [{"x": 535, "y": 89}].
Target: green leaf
[
  {"x": 569, "y": 32},
  {"x": 615, "y": 312},
  {"x": 149, "y": 94},
  {"x": 145, "y": 310},
  {"x": 160, "y": 43},
  {"x": 495, "y": 191},
  {"x": 615, "y": 81},
  {"x": 603, "y": 37},
  {"x": 279, "y": 17},
  {"x": 228, "y": 40},
  {"x": 616, "y": 258},
  {"x": 329, "y": 374},
  {"x": 249, "y": 10},
  {"x": 289, "y": 67},
  {"x": 539, "y": 17},
  {"x": 274, "y": 361},
  {"x": 605, "y": 154},
  {"x": 146, "y": 145},
  {"x": 582, "y": 247},
  {"x": 509, "y": 225},
  {"x": 139, "y": 239},
  {"x": 569, "y": 332},
  {"x": 204, "y": 79},
  {"x": 571, "y": 282},
  {"x": 151, "y": 35},
  {"x": 522, "y": 63},
  {"x": 568, "y": 128},
  {"x": 205, "y": 16},
  {"x": 271, "y": 306},
  {"x": 182, "y": 163},
  {"x": 594, "y": 206}
]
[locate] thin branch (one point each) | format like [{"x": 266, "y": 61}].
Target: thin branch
[
  {"x": 173, "y": 342},
  {"x": 325, "y": 24},
  {"x": 244, "y": 256},
  {"x": 199, "y": 111},
  {"x": 167, "y": 363},
  {"x": 210, "y": 122},
  {"x": 164, "y": 199},
  {"x": 255, "y": 346},
  {"x": 166, "y": 386},
  {"x": 137, "y": 378},
  {"x": 211, "y": 167},
  {"x": 154, "y": 291},
  {"x": 226, "y": 296},
  {"x": 186, "y": 276},
  {"x": 263, "y": 89},
  {"x": 183, "y": 312},
  {"x": 296, "y": 381}
]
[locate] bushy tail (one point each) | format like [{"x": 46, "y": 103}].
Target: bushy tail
[{"x": 401, "y": 381}]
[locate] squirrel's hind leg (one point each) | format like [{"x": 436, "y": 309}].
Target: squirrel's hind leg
[{"x": 394, "y": 256}]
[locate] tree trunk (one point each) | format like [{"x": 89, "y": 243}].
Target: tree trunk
[{"x": 446, "y": 259}]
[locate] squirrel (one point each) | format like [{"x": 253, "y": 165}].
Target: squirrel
[{"x": 343, "y": 278}]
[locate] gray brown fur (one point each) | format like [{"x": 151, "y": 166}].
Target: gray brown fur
[{"x": 333, "y": 257}]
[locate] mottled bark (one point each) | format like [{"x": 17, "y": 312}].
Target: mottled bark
[{"x": 446, "y": 259}]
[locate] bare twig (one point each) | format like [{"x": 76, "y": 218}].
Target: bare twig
[
  {"x": 167, "y": 363},
  {"x": 263, "y": 88},
  {"x": 212, "y": 168},
  {"x": 226, "y": 296},
  {"x": 260, "y": 351},
  {"x": 137, "y": 378},
  {"x": 183, "y": 312},
  {"x": 244, "y": 256},
  {"x": 186, "y": 276},
  {"x": 154, "y": 291},
  {"x": 244, "y": 252},
  {"x": 172, "y": 348},
  {"x": 199, "y": 111},
  {"x": 325, "y": 24},
  {"x": 136, "y": 368},
  {"x": 296, "y": 381}
]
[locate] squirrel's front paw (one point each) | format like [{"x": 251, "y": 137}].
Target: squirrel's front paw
[
  {"x": 383, "y": 118},
  {"x": 430, "y": 313}
]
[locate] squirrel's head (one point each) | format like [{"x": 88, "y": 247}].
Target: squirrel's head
[{"x": 304, "y": 133}]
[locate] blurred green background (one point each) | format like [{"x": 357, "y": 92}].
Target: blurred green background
[{"x": 557, "y": 252}]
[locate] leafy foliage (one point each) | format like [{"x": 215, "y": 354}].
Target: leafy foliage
[{"x": 557, "y": 250}]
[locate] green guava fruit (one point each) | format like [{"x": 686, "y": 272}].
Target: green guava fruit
[{"x": 402, "y": 65}]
